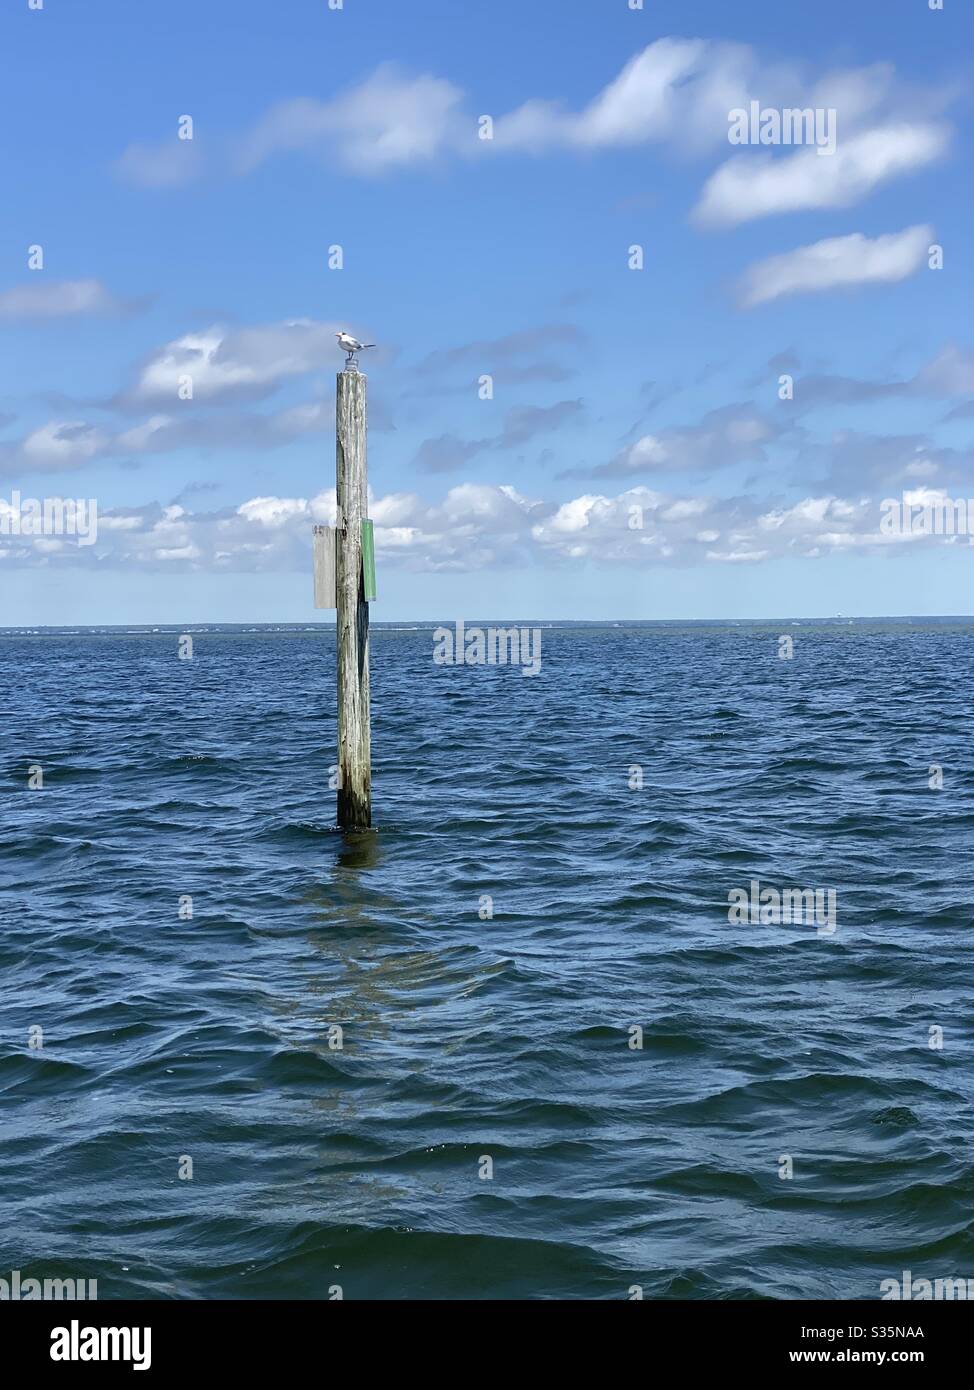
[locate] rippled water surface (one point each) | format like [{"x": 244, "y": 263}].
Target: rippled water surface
[{"x": 507, "y": 1038}]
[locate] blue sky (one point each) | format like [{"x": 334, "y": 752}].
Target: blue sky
[{"x": 635, "y": 459}]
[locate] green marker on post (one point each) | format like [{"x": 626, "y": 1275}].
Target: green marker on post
[{"x": 368, "y": 559}]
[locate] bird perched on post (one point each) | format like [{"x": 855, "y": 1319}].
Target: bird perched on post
[{"x": 350, "y": 346}]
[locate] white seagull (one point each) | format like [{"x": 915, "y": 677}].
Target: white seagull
[{"x": 351, "y": 345}]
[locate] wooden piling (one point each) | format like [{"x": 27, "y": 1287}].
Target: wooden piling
[{"x": 354, "y": 732}]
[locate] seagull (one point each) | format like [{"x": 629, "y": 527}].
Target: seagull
[{"x": 351, "y": 346}]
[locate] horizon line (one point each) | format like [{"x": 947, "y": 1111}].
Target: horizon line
[{"x": 306, "y": 624}]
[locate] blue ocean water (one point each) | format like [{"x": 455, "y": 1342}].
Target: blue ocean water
[{"x": 489, "y": 1126}]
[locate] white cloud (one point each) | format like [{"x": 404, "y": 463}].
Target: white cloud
[
  {"x": 756, "y": 185},
  {"x": 387, "y": 121},
  {"x": 479, "y": 527},
  {"x": 50, "y": 299},
  {"x": 226, "y": 364},
  {"x": 837, "y": 263},
  {"x": 675, "y": 91},
  {"x": 164, "y": 165},
  {"x": 273, "y": 511},
  {"x": 951, "y": 373},
  {"x": 748, "y": 557},
  {"x": 143, "y": 438},
  {"x": 680, "y": 92},
  {"x": 728, "y": 435},
  {"x": 183, "y": 552},
  {"x": 62, "y": 444},
  {"x": 641, "y": 104}
]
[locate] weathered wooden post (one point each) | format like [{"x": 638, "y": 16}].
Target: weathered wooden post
[
  {"x": 344, "y": 564},
  {"x": 354, "y": 727}
]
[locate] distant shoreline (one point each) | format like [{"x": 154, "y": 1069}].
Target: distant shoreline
[{"x": 429, "y": 624}]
